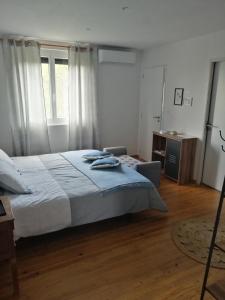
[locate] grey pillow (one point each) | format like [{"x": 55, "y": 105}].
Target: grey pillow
[
  {"x": 5, "y": 157},
  {"x": 11, "y": 180}
]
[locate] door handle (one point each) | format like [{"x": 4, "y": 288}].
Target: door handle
[
  {"x": 211, "y": 126},
  {"x": 157, "y": 117}
]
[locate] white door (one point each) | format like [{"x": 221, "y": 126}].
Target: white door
[
  {"x": 214, "y": 165},
  {"x": 151, "y": 95}
]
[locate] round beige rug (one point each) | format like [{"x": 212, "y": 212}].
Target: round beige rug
[{"x": 193, "y": 237}]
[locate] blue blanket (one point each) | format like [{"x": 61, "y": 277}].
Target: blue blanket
[{"x": 113, "y": 179}]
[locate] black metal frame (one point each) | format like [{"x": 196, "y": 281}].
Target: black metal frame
[
  {"x": 213, "y": 241},
  {"x": 208, "y": 113},
  {"x": 182, "y": 96},
  {"x": 221, "y": 135},
  {"x": 223, "y": 139}
]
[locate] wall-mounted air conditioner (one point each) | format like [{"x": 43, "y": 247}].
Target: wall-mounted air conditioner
[{"x": 116, "y": 56}]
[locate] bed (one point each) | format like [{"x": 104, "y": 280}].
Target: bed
[{"x": 66, "y": 192}]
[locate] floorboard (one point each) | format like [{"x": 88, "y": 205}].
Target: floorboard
[{"x": 131, "y": 257}]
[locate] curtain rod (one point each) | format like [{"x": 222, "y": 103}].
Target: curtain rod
[
  {"x": 45, "y": 45},
  {"x": 58, "y": 44},
  {"x": 48, "y": 44},
  {"x": 62, "y": 44},
  {"x": 54, "y": 45}
]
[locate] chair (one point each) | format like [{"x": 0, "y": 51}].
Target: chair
[{"x": 150, "y": 170}]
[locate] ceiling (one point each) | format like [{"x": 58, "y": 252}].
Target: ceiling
[{"x": 130, "y": 23}]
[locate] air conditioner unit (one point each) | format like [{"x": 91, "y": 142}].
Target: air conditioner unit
[{"x": 116, "y": 56}]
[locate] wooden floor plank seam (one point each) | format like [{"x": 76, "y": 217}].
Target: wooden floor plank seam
[{"x": 126, "y": 258}]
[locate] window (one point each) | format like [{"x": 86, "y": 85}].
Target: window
[{"x": 54, "y": 65}]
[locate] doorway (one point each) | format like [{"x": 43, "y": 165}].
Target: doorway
[
  {"x": 151, "y": 108},
  {"x": 214, "y": 160}
]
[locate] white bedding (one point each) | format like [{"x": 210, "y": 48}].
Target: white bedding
[
  {"x": 63, "y": 197},
  {"x": 47, "y": 209}
]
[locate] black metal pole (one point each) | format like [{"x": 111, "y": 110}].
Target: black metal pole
[{"x": 212, "y": 244}]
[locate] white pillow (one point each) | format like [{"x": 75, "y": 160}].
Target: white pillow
[
  {"x": 11, "y": 180},
  {"x": 5, "y": 157}
]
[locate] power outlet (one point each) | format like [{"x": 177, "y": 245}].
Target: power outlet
[{"x": 188, "y": 101}]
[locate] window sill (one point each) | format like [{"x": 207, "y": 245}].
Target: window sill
[{"x": 58, "y": 124}]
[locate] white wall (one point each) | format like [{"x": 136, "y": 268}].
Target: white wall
[
  {"x": 188, "y": 64},
  {"x": 119, "y": 104}
]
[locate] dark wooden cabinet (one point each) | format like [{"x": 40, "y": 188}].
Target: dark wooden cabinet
[
  {"x": 172, "y": 158},
  {"x": 176, "y": 153},
  {"x": 7, "y": 247}
]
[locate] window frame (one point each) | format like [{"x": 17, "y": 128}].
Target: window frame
[{"x": 52, "y": 55}]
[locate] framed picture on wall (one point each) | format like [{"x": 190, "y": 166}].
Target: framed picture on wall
[{"x": 178, "y": 96}]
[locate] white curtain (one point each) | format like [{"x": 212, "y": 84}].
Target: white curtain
[
  {"x": 26, "y": 97},
  {"x": 83, "y": 121}
]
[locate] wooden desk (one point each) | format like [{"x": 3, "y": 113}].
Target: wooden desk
[
  {"x": 7, "y": 246},
  {"x": 176, "y": 153}
]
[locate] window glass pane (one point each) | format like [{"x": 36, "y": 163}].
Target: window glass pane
[
  {"x": 61, "y": 84},
  {"x": 46, "y": 85}
]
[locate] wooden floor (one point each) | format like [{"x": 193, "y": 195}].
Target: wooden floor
[{"x": 127, "y": 258}]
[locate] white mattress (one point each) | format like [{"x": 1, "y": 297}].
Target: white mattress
[{"x": 47, "y": 209}]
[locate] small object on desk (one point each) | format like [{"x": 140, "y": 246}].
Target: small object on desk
[
  {"x": 173, "y": 132},
  {"x": 7, "y": 249},
  {"x": 163, "y": 131},
  {"x": 160, "y": 152}
]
